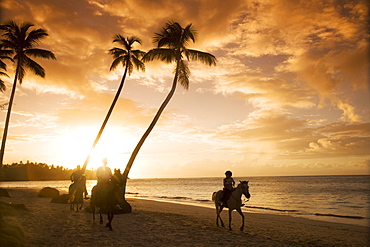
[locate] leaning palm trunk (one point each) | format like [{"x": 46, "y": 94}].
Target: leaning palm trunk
[
  {"x": 106, "y": 119},
  {"x": 5, "y": 133},
  {"x": 147, "y": 132}
]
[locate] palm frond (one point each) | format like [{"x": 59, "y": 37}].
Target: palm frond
[
  {"x": 133, "y": 39},
  {"x": 188, "y": 34},
  {"x": 163, "y": 54},
  {"x": 2, "y": 65},
  {"x": 2, "y": 86},
  {"x": 20, "y": 74},
  {"x": 8, "y": 44},
  {"x": 138, "y": 54},
  {"x": 116, "y": 62},
  {"x": 204, "y": 57},
  {"x": 34, "y": 36},
  {"x": 34, "y": 67},
  {"x": 40, "y": 53},
  {"x": 139, "y": 65},
  {"x": 183, "y": 74},
  {"x": 121, "y": 40},
  {"x": 117, "y": 52}
]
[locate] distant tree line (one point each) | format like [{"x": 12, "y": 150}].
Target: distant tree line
[{"x": 31, "y": 171}]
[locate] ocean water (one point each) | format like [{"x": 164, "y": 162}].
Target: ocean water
[{"x": 343, "y": 199}]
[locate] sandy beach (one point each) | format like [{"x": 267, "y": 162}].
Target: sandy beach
[{"x": 154, "y": 223}]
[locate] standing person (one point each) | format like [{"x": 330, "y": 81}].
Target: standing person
[
  {"x": 104, "y": 173},
  {"x": 228, "y": 187}
]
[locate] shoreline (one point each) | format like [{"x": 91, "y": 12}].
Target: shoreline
[
  {"x": 335, "y": 216},
  {"x": 159, "y": 223}
]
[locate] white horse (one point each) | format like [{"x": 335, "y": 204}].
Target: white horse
[{"x": 234, "y": 202}]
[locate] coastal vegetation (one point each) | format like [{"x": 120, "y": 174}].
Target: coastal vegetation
[{"x": 33, "y": 171}]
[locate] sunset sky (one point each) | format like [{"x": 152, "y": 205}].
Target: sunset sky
[{"x": 289, "y": 95}]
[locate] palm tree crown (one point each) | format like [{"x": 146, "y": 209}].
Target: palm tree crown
[
  {"x": 175, "y": 39},
  {"x": 19, "y": 41},
  {"x": 127, "y": 56}
]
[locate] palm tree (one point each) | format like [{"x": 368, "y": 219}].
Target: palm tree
[
  {"x": 171, "y": 47},
  {"x": 129, "y": 59},
  {"x": 21, "y": 42}
]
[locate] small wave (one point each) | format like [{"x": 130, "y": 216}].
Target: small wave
[
  {"x": 274, "y": 209},
  {"x": 200, "y": 200},
  {"x": 175, "y": 197},
  {"x": 341, "y": 216}
]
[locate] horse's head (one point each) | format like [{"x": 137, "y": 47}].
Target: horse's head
[{"x": 245, "y": 189}]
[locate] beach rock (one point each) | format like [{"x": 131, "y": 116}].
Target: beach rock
[
  {"x": 60, "y": 199},
  {"x": 49, "y": 192},
  {"x": 4, "y": 193}
]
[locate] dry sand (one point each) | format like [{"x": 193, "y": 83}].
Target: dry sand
[{"x": 154, "y": 223}]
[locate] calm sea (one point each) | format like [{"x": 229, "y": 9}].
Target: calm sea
[{"x": 344, "y": 199}]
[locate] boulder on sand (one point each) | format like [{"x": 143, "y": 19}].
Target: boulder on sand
[{"x": 49, "y": 192}]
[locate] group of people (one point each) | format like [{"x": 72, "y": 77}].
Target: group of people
[{"x": 104, "y": 174}]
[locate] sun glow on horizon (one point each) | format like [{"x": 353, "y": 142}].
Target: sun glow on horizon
[{"x": 114, "y": 145}]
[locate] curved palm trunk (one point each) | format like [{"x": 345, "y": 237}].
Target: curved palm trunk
[
  {"x": 106, "y": 118},
  {"x": 5, "y": 133},
  {"x": 147, "y": 132}
]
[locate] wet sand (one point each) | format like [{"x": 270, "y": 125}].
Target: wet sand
[{"x": 154, "y": 223}]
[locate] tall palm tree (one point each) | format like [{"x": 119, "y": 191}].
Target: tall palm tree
[
  {"x": 21, "y": 42},
  {"x": 129, "y": 59},
  {"x": 171, "y": 47}
]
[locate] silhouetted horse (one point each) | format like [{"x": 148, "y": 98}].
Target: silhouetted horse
[
  {"x": 75, "y": 192},
  {"x": 234, "y": 202},
  {"x": 106, "y": 196}
]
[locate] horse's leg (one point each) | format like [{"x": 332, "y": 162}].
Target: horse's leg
[
  {"x": 101, "y": 218},
  {"x": 216, "y": 214},
  {"x": 230, "y": 212},
  {"x": 82, "y": 202},
  {"x": 239, "y": 210},
  {"x": 110, "y": 218},
  {"x": 219, "y": 215}
]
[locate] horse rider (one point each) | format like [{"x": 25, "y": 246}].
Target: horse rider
[
  {"x": 228, "y": 187},
  {"x": 76, "y": 174},
  {"x": 104, "y": 173},
  {"x": 79, "y": 176}
]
